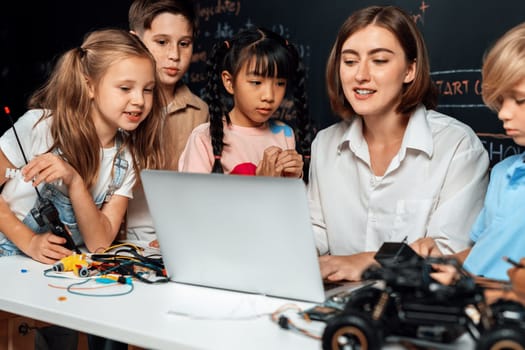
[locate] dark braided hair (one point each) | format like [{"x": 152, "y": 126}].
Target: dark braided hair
[{"x": 274, "y": 56}]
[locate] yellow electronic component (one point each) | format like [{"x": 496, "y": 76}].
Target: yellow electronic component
[{"x": 76, "y": 263}]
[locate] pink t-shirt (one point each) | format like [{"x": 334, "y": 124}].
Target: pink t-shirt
[{"x": 243, "y": 151}]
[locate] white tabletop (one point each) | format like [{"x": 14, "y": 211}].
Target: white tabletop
[{"x": 158, "y": 316}]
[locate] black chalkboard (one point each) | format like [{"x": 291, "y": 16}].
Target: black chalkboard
[{"x": 457, "y": 34}]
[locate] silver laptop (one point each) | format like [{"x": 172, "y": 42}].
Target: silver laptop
[{"x": 242, "y": 233}]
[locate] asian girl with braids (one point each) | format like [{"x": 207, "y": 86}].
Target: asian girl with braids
[{"x": 255, "y": 68}]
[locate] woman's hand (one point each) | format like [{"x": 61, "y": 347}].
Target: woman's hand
[{"x": 349, "y": 267}]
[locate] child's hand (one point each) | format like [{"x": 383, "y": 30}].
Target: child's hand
[
  {"x": 517, "y": 278},
  {"x": 49, "y": 168},
  {"x": 47, "y": 248},
  {"x": 426, "y": 246},
  {"x": 267, "y": 166},
  {"x": 445, "y": 274},
  {"x": 291, "y": 163},
  {"x": 154, "y": 244}
]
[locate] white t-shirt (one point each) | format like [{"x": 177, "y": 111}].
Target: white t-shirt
[
  {"x": 433, "y": 187},
  {"x": 21, "y": 195}
]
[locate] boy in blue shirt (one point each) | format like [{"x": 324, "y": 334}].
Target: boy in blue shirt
[{"x": 500, "y": 227}]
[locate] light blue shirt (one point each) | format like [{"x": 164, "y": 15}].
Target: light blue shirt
[{"x": 499, "y": 229}]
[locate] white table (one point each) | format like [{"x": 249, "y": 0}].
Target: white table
[
  {"x": 159, "y": 316},
  {"x": 150, "y": 316}
]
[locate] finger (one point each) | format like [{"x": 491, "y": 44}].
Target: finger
[
  {"x": 289, "y": 155},
  {"x": 334, "y": 277},
  {"x": 45, "y": 260},
  {"x": 290, "y": 163},
  {"x": 29, "y": 172},
  {"x": 40, "y": 162},
  {"x": 56, "y": 244},
  {"x": 344, "y": 276},
  {"x": 44, "y": 176},
  {"x": 53, "y": 252},
  {"x": 436, "y": 267},
  {"x": 271, "y": 157},
  {"x": 298, "y": 167},
  {"x": 272, "y": 151},
  {"x": 59, "y": 251},
  {"x": 35, "y": 171},
  {"x": 55, "y": 239}
]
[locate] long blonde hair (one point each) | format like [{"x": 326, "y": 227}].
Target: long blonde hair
[{"x": 65, "y": 97}]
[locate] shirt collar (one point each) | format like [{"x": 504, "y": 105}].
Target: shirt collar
[
  {"x": 183, "y": 98},
  {"x": 418, "y": 134},
  {"x": 516, "y": 171}
]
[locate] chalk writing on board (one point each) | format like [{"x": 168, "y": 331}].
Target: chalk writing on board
[
  {"x": 499, "y": 147},
  {"x": 459, "y": 88},
  {"x": 420, "y": 16},
  {"x": 221, "y": 7},
  {"x": 222, "y": 19}
]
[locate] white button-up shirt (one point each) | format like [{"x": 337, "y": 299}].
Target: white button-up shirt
[{"x": 433, "y": 187}]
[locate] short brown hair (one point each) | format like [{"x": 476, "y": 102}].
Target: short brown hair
[
  {"x": 503, "y": 66},
  {"x": 142, "y": 12},
  {"x": 395, "y": 20}
]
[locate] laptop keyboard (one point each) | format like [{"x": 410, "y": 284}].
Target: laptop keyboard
[{"x": 331, "y": 285}]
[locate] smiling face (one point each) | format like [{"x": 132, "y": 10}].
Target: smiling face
[
  {"x": 123, "y": 97},
  {"x": 373, "y": 69},
  {"x": 170, "y": 40},
  {"x": 512, "y": 112},
  {"x": 255, "y": 97}
]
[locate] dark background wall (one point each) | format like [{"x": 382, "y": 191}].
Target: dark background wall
[{"x": 457, "y": 33}]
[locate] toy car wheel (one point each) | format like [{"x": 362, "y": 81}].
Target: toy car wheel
[
  {"x": 352, "y": 331},
  {"x": 508, "y": 338},
  {"x": 365, "y": 300},
  {"x": 501, "y": 307}
]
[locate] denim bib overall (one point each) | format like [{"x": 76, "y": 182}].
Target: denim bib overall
[{"x": 64, "y": 206}]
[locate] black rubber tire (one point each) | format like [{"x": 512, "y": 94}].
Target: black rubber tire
[
  {"x": 356, "y": 328},
  {"x": 502, "y": 338}
]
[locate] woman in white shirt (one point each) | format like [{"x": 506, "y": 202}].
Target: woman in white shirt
[{"x": 393, "y": 169}]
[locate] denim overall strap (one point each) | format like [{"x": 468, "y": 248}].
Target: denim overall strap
[
  {"x": 120, "y": 166},
  {"x": 64, "y": 206}
]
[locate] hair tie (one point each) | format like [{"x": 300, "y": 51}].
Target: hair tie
[
  {"x": 81, "y": 51},
  {"x": 286, "y": 41},
  {"x": 227, "y": 43},
  {"x": 217, "y": 157}
]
